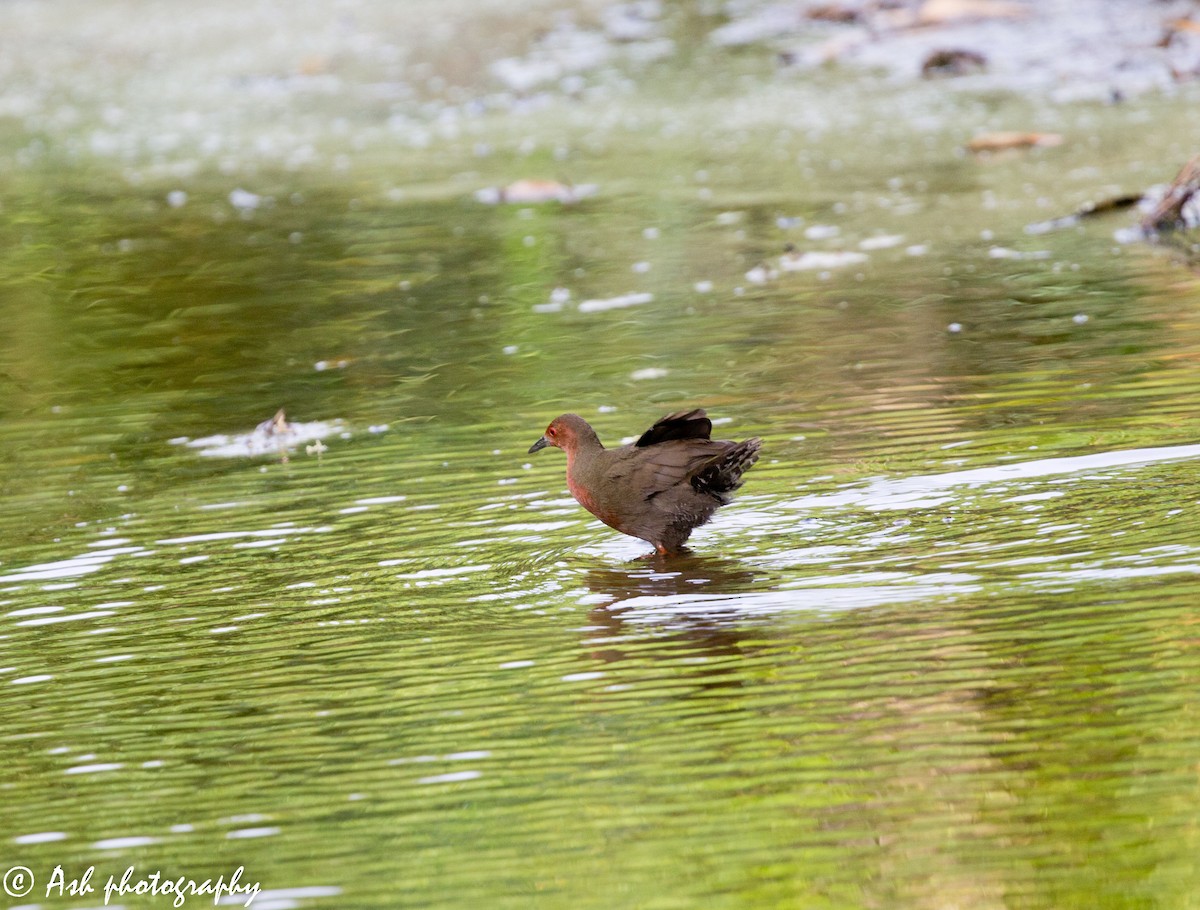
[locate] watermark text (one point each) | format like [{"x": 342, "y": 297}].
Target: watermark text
[{"x": 19, "y": 881}]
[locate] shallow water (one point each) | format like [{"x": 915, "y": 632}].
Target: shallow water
[{"x": 940, "y": 652}]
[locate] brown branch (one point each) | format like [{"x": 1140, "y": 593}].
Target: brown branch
[{"x": 1167, "y": 214}]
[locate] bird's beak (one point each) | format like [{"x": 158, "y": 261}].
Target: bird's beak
[{"x": 539, "y": 445}]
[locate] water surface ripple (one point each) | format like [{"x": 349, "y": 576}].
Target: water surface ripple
[{"x": 941, "y": 651}]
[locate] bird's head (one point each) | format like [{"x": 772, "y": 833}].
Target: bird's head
[{"x": 565, "y": 432}]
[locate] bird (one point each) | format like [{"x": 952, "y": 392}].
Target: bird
[{"x": 659, "y": 488}]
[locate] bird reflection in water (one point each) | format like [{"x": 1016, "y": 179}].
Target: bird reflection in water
[{"x": 686, "y": 620}]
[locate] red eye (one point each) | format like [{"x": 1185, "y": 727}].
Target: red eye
[{"x": 550, "y": 431}]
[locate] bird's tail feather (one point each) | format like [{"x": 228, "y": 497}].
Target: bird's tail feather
[{"x": 724, "y": 473}]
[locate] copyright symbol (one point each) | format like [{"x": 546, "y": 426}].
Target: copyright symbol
[{"x": 18, "y": 881}]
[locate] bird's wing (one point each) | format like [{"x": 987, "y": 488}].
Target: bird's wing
[
  {"x": 680, "y": 425},
  {"x": 655, "y": 470}
]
